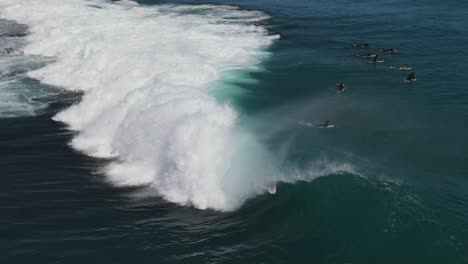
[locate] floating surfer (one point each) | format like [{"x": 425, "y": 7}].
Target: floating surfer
[
  {"x": 405, "y": 67},
  {"x": 368, "y": 55},
  {"x": 391, "y": 50},
  {"x": 326, "y": 124},
  {"x": 364, "y": 45},
  {"x": 341, "y": 87},
  {"x": 376, "y": 60},
  {"x": 411, "y": 78}
]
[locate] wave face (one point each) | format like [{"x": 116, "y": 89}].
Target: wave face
[{"x": 146, "y": 73}]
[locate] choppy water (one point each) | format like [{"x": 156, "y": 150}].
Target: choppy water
[{"x": 151, "y": 132}]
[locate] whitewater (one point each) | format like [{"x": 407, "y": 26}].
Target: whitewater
[{"x": 146, "y": 73}]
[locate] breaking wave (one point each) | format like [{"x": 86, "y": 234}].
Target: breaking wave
[{"x": 146, "y": 73}]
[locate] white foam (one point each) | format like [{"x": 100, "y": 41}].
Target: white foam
[
  {"x": 146, "y": 73},
  {"x": 17, "y": 94},
  {"x": 20, "y": 96}
]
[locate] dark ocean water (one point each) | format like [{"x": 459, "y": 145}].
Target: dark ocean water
[{"x": 404, "y": 201}]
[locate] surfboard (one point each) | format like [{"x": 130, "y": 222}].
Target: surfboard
[
  {"x": 405, "y": 69},
  {"x": 379, "y": 61},
  {"x": 409, "y": 81},
  {"x": 329, "y": 126}
]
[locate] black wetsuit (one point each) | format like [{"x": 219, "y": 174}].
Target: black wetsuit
[
  {"x": 341, "y": 87},
  {"x": 411, "y": 77}
]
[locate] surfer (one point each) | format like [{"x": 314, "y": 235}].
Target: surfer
[
  {"x": 365, "y": 45},
  {"x": 411, "y": 77},
  {"x": 341, "y": 87},
  {"x": 392, "y": 50},
  {"x": 325, "y": 125},
  {"x": 405, "y": 67},
  {"x": 368, "y": 55},
  {"x": 376, "y": 60}
]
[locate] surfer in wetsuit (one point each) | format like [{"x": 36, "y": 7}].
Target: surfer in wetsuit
[
  {"x": 341, "y": 87},
  {"x": 326, "y": 124},
  {"x": 374, "y": 60},
  {"x": 392, "y": 50},
  {"x": 411, "y": 77},
  {"x": 365, "y": 45},
  {"x": 405, "y": 67},
  {"x": 368, "y": 55}
]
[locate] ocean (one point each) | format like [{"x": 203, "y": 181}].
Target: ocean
[{"x": 188, "y": 131}]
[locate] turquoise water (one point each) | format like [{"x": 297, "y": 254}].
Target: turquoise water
[{"x": 394, "y": 186}]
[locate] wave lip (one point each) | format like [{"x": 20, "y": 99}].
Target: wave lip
[{"x": 146, "y": 73}]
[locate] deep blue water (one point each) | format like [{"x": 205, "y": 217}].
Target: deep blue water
[{"x": 407, "y": 202}]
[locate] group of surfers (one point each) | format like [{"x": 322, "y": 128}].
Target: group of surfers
[{"x": 411, "y": 78}]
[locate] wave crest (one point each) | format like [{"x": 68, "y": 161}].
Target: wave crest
[{"x": 146, "y": 73}]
